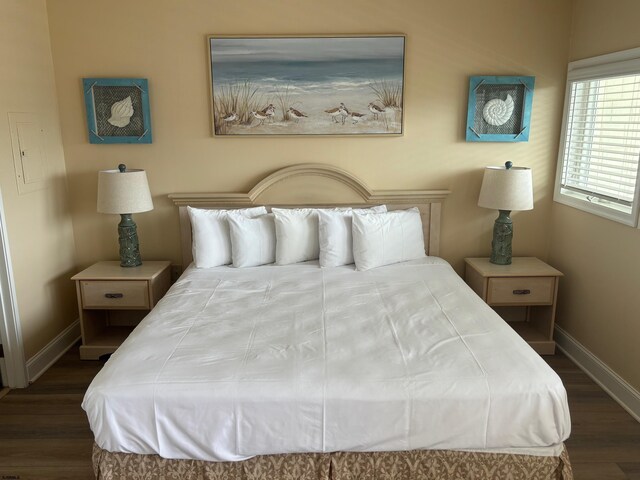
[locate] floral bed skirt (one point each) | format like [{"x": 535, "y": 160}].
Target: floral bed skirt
[{"x": 410, "y": 465}]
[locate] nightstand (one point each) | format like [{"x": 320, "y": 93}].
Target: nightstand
[
  {"x": 112, "y": 300},
  {"x": 527, "y": 285}
]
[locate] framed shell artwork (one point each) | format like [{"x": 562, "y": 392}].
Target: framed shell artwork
[
  {"x": 499, "y": 109},
  {"x": 117, "y": 110}
]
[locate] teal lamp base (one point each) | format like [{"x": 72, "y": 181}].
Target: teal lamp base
[
  {"x": 502, "y": 238},
  {"x": 128, "y": 238}
]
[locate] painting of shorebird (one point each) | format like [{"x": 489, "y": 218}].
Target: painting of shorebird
[{"x": 307, "y": 85}]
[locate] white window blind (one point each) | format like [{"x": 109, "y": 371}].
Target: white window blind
[{"x": 600, "y": 148}]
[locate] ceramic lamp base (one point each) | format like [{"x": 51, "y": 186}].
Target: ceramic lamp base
[
  {"x": 128, "y": 238},
  {"x": 502, "y": 238}
]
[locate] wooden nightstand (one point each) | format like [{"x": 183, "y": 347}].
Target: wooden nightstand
[
  {"x": 527, "y": 282},
  {"x": 112, "y": 300}
]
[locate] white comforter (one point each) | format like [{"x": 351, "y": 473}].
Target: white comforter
[{"x": 234, "y": 363}]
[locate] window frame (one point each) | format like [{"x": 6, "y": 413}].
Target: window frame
[{"x": 603, "y": 66}]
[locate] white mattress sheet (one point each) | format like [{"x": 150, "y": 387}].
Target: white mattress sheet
[{"x": 234, "y": 363}]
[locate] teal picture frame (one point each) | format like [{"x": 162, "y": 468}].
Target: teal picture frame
[
  {"x": 117, "y": 110},
  {"x": 497, "y": 99}
]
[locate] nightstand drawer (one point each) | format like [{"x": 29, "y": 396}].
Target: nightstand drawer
[
  {"x": 521, "y": 291},
  {"x": 115, "y": 294}
]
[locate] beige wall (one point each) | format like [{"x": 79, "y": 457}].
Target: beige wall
[
  {"x": 39, "y": 223},
  {"x": 598, "y": 302},
  {"x": 164, "y": 41}
]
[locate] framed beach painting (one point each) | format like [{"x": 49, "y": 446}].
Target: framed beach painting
[
  {"x": 307, "y": 85},
  {"x": 117, "y": 110}
]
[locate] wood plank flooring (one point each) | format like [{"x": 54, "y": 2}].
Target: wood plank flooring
[
  {"x": 44, "y": 433},
  {"x": 605, "y": 439}
]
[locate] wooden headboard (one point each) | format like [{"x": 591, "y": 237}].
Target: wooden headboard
[{"x": 315, "y": 185}]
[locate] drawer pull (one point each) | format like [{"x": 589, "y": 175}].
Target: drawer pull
[
  {"x": 521, "y": 292},
  {"x": 114, "y": 295}
]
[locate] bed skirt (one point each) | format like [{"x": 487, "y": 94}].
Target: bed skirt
[{"x": 410, "y": 465}]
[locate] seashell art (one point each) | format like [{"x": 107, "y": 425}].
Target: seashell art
[
  {"x": 497, "y": 112},
  {"x": 121, "y": 113}
]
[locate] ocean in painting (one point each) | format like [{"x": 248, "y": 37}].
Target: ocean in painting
[
  {"x": 310, "y": 76},
  {"x": 303, "y": 78}
]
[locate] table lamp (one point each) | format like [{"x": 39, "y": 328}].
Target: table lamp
[
  {"x": 125, "y": 192},
  {"x": 505, "y": 189}
]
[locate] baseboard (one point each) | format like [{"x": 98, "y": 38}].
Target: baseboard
[
  {"x": 41, "y": 361},
  {"x": 623, "y": 393}
]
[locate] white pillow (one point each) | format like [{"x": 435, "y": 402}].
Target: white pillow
[
  {"x": 335, "y": 238},
  {"x": 296, "y": 235},
  {"x": 253, "y": 240},
  {"x": 385, "y": 238},
  {"x": 211, "y": 244}
]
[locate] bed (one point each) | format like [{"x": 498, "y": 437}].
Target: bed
[{"x": 326, "y": 373}]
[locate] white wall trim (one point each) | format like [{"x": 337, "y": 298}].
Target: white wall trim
[
  {"x": 41, "y": 361},
  {"x": 623, "y": 393},
  {"x": 10, "y": 328},
  {"x": 621, "y": 56}
]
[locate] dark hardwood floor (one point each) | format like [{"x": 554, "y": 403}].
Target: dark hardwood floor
[
  {"x": 605, "y": 439},
  {"x": 44, "y": 433}
]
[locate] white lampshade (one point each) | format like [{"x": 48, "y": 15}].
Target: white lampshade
[
  {"x": 123, "y": 192},
  {"x": 506, "y": 189}
]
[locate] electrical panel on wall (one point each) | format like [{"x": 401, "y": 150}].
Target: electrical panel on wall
[{"x": 27, "y": 142}]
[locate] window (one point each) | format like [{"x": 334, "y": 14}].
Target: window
[{"x": 600, "y": 144}]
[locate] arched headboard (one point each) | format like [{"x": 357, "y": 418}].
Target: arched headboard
[{"x": 315, "y": 185}]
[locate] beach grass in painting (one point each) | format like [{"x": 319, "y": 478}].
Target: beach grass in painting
[{"x": 307, "y": 85}]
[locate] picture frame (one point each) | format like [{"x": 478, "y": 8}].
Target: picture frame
[
  {"x": 117, "y": 110},
  {"x": 311, "y": 85},
  {"x": 499, "y": 108}
]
